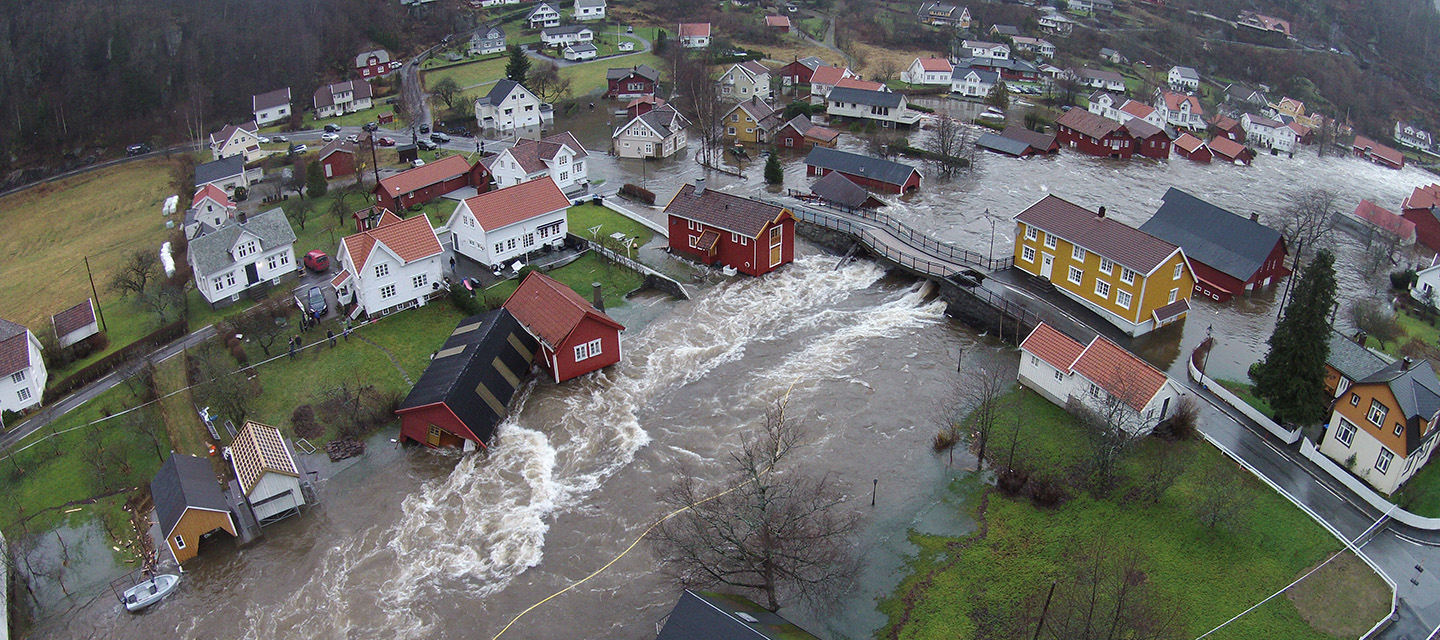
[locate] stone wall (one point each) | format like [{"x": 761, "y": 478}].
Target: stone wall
[
  {"x": 982, "y": 315},
  {"x": 831, "y": 239}
]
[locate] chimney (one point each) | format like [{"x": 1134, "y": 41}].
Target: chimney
[
  {"x": 243, "y": 216},
  {"x": 1100, "y": 214},
  {"x": 599, "y": 297},
  {"x": 1406, "y": 363},
  {"x": 1254, "y": 216},
  {"x": 699, "y": 186}
]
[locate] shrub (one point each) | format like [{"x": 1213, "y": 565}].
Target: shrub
[
  {"x": 302, "y": 419},
  {"x": 8, "y": 419},
  {"x": 638, "y": 193},
  {"x": 465, "y": 301},
  {"x": 1012, "y": 482},
  {"x": 943, "y": 441},
  {"x": 1183, "y": 424},
  {"x": 1402, "y": 279},
  {"x": 1045, "y": 492}
]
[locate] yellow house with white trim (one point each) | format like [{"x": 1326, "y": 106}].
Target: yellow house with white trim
[{"x": 1134, "y": 280}]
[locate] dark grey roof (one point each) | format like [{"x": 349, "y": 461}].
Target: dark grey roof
[
  {"x": 565, "y": 30},
  {"x": 1042, "y": 142},
  {"x": 502, "y": 88},
  {"x": 580, "y": 47},
  {"x": 835, "y": 187},
  {"x": 732, "y": 213},
  {"x": 664, "y": 120},
  {"x": 1234, "y": 245},
  {"x": 644, "y": 71},
  {"x": 989, "y": 77},
  {"x": 886, "y": 171},
  {"x": 1005, "y": 29},
  {"x": 714, "y": 616},
  {"x": 185, "y": 482},
  {"x": 1187, "y": 73},
  {"x": 866, "y": 97},
  {"x": 211, "y": 252},
  {"x": 590, "y": 3},
  {"x": 1010, "y": 64},
  {"x": 538, "y": 7},
  {"x": 1416, "y": 389},
  {"x": 219, "y": 170},
  {"x": 270, "y": 99},
  {"x": 1352, "y": 360},
  {"x": 467, "y": 361},
  {"x": 811, "y": 62},
  {"x": 1141, "y": 129},
  {"x": 1001, "y": 144}
]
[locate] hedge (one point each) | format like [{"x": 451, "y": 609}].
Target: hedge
[
  {"x": 639, "y": 193},
  {"x": 103, "y": 366}
]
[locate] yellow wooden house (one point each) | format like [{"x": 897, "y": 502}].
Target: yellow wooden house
[
  {"x": 751, "y": 122},
  {"x": 1134, "y": 280}
]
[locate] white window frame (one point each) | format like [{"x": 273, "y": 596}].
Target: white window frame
[
  {"x": 1179, "y": 269},
  {"x": 1075, "y": 275},
  {"x": 1031, "y": 233},
  {"x": 594, "y": 347},
  {"x": 1102, "y": 289},
  {"x": 1376, "y": 414},
  {"x": 582, "y": 352},
  {"x": 387, "y": 291},
  {"x": 382, "y": 270},
  {"x": 1077, "y": 252},
  {"x": 1127, "y": 275},
  {"x": 1050, "y": 241},
  {"x": 1027, "y": 254},
  {"x": 1107, "y": 266},
  {"x": 23, "y": 393},
  {"x": 18, "y": 376},
  {"x": 1059, "y": 375},
  {"x": 1123, "y": 298},
  {"x": 1382, "y": 461},
  {"x": 1399, "y": 428},
  {"x": 179, "y": 542},
  {"x": 420, "y": 280}
]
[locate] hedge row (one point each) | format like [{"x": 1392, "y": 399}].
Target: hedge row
[{"x": 103, "y": 366}]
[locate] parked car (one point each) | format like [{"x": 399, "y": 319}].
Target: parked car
[
  {"x": 426, "y": 145},
  {"x": 417, "y": 163},
  {"x": 318, "y": 261},
  {"x": 386, "y": 141},
  {"x": 315, "y": 301},
  {"x": 352, "y": 138},
  {"x": 332, "y": 128},
  {"x": 371, "y": 126},
  {"x": 137, "y": 149},
  {"x": 425, "y": 127},
  {"x": 329, "y": 136},
  {"x": 439, "y": 137},
  {"x": 279, "y": 139},
  {"x": 396, "y": 64},
  {"x": 298, "y": 149},
  {"x": 262, "y": 139}
]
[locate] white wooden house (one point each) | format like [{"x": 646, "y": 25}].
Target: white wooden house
[
  {"x": 694, "y": 35},
  {"x": 986, "y": 50},
  {"x": 973, "y": 83},
  {"x": 586, "y": 10},
  {"x": 1100, "y": 375},
  {"x": 269, "y": 107},
  {"x": 341, "y": 98},
  {"x": 659, "y": 133},
  {"x": 1265, "y": 133},
  {"x": 242, "y": 254},
  {"x": 543, "y": 15},
  {"x": 1183, "y": 79},
  {"x": 236, "y": 140},
  {"x": 265, "y": 469},
  {"x": 567, "y": 35},
  {"x": 392, "y": 265},
  {"x": 509, "y": 106},
  {"x": 745, "y": 80},
  {"x": 928, "y": 71},
  {"x": 209, "y": 209},
  {"x": 22, "y": 368},
  {"x": 487, "y": 40},
  {"x": 498, "y": 227},
  {"x": 1180, "y": 110},
  {"x": 558, "y": 156}
]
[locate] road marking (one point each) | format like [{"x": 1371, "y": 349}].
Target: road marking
[{"x": 1275, "y": 449}]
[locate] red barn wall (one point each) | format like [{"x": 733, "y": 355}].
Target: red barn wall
[{"x": 562, "y": 361}]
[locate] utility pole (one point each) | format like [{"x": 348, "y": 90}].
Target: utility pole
[
  {"x": 873, "y": 488},
  {"x": 95, "y": 294},
  {"x": 374, "y": 163}
]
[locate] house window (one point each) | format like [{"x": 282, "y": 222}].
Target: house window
[
  {"x": 1399, "y": 428},
  {"x": 1031, "y": 233},
  {"x": 594, "y": 347},
  {"x": 1078, "y": 252},
  {"x": 1059, "y": 375},
  {"x": 179, "y": 542},
  {"x": 564, "y": 175},
  {"x": 730, "y": 130},
  {"x": 1028, "y": 253},
  {"x": 499, "y": 247},
  {"x": 274, "y": 262},
  {"x": 24, "y": 393},
  {"x": 1102, "y": 289},
  {"x": 230, "y": 279},
  {"x": 387, "y": 291},
  {"x": 510, "y": 244},
  {"x": 1173, "y": 294},
  {"x": 245, "y": 249},
  {"x": 217, "y": 284},
  {"x": 420, "y": 280},
  {"x": 1034, "y": 361},
  {"x": 17, "y": 377},
  {"x": 1179, "y": 269},
  {"x": 581, "y": 352},
  {"x": 1076, "y": 275},
  {"x": 1049, "y": 241},
  {"x": 1382, "y": 463},
  {"x": 1127, "y": 276},
  {"x": 1354, "y": 399},
  {"x": 1107, "y": 266},
  {"x": 382, "y": 270},
  {"x": 529, "y": 239},
  {"x": 1377, "y": 412},
  {"x": 1122, "y": 298}
]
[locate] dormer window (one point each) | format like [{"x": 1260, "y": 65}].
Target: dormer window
[{"x": 246, "y": 249}]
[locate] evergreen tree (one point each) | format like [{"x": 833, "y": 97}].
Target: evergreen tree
[
  {"x": 999, "y": 97},
  {"x": 773, "y": 173},
  {"x": 315, "y": 185},
  {"x": 1292, "y": 375},
  {"x": 519, "y": 66}
]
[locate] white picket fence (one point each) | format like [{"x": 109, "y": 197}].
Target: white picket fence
[{"x": 1290, "y": 436}]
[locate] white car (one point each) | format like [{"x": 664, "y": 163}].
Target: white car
[
  {"x": 352, "y": 138},
  {"x": 417, "y": 163},
  {"x": 396, "y": 64},
  {"x": 329, "y": 136},
  {"x": 263, "y": 140}
]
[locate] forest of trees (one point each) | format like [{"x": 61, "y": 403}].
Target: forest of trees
[{"x": 82, "y": 75}]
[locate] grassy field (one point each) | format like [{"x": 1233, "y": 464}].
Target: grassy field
[
  {"x": 469, "y": 74},
  {"x": 590, "y": 77},
  {"x": 50, "y": 229},
  {"x": 1246, "y": 391},
  {"x": 958, "y": 586},
  {"x": 1421, "y": 494},
  {"x": 614, "y": 281},
  {"x": 585, "y": 216},
  {"x": 1413, "y": 328},
  {"x": 355, "y": 119}
]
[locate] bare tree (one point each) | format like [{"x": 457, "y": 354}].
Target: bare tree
[
  {"x": 776, "y": 529},
  {"x": 1220, "y": 502},
  {"x": 886, "y": 70},
  {"x": 265, "y": 323},
  {"x": 947, "y": 146},
  {"x": 1112, "y": 423},
  {"x": 1160, "y": 469},
  {"x": 546, "y": 82},
  {"x": 350, "y": 408},
  {"x": 1371, "y": 316},
  {"x": 447, "y": 91},
  {"x": 1105, "y": 594},
  {"x": 974, "y": 407},
  {"x": 151, "y": 429},
  {"x": 299, "y": 211},
  {"x": 164, "y": 301},
  {"x": 216, "y": 383},
  {"x": 1308, "y": 220},
  {"x": 136, "y": 272},
  {"x": 699, "y": 96}
]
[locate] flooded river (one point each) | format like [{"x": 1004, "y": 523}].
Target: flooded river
[{"x": 411, "y": 543}]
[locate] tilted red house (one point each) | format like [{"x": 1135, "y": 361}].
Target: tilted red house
[
  {"x": 1228, "y": 127},
  {"x": 422, "y": 184},
  {"x": 1094, "y": 134},
  {"x": 575, "y": 337},
  {"x": 1193, "y": 148},
  {"x": 869, "y": 172},
  {"x": 750, "y": 236},
  {"x": 1377, "y": 153},
  {"x": 1229, "y": 254},
  {"x": 634, "y": 82},
  {"x": 1423, "y": 209},
  {"x": 1150, "y": 141},
  {"x": 338, "y": 158},
  {"x": 466, "y": 389},
  {"x": 1230, "y": 150}
]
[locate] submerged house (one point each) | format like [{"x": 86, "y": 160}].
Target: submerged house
[{"x": 575, "y": 337}]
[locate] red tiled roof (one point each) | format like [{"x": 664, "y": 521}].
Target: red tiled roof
[
  {"x": 821, "y": 133},
  {"x": 1374, "y": 214},
  {"x": 421, "y": 177},
  {"x": 214, "y": 193},
  {"x": 412, "y": 239},
  {"x": 1095, "y": 126},
  {"x": 1053, "y": 347},
  {"x": 650, "y": 99},
  {"x": 516, "y": 203},
  {"x": 1137, "y": 109},
  {"x": 1174, "y": 100},
  {"x": 550, "y": 310},
  {"x": 935, "y": 64},
  {"x": 694, "y": 29},
  {"x": 14, "y": 347},
  {"x": 1299, "y": 129},
  {"x": 856, "y": 83},
  {"x": 75, "y": 317},
  {"x": 340, "y": 278},
  {"x": 827, "y": 75},
  {"x": 1106, "y": 236},
  {"x": 1226, "y": 147},
  {"x": 1225, "y": 123},
  {"x": 777, "y": 21},
  {"x": 1120, "y": 373},
  {"x": 1188, "y": 142},
  {"x": 1423, "y": 198},
  {"x": 1379, "y": 150}
]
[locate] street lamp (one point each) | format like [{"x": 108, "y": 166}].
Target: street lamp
[{"x": 991, "y": 256}]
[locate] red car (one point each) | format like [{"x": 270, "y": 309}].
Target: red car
[
  {"x": 386, "y": 142},
  {"x": 318, "y": 261}
]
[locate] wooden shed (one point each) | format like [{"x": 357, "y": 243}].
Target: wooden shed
[
  {"x": 267, "y": 473},
  {"x": 189, "y": 504},
  {"x": 575, "y": 337}
]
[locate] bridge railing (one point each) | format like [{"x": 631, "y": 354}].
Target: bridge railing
[
  {"x": 909, "y": 235},
  {"x": 868, "y": 238}
]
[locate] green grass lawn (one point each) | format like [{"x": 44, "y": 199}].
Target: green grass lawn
[
  {"x": 585, "y": 216},
  {"x": 813, "y": 26},
  {"x": 960, "y": 585},
  {"x": 469, "y": 74},
  {"x": 590, "y": 77},
  {"x": 355, "y": 119},
  {"x": 615, "y": 281},
  {"x": 1421, "y": 494},
  {"x": 1246, "y": 391},
  {"x": 1414, "y": 329}
]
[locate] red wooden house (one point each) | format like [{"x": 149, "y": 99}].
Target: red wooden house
[
  {"x": 800, "y": 133},
  {"x": 1230, "y": 150},
  {"x": 780, "y": 24},
  {"x": 1150, "y": 141},
  {"x": 1228, "y": 127},
  {"x": 1094, "y": 134},
  {"x": 422, "y": 184},
  {"x": 1423, "y": 209},
  {"x": 372, "y": 64},
  {"x": 575, "y": 337},
  {"x": 1377, "y": 153},
  {"x": 338, "y": 158},
  {"x": 634, "y": 82},
  {"x": 466, "y": 389},
  {"x": 869, "y": 172},
  {"x": 800, "y": 71},
  {"x": 1229, "y": 254},
  {"x": 1193, "y": 148},
  {"x": 750, "y": 236}
]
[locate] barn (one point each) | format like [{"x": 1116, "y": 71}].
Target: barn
[
  {"x": 1230, "y": 254},
  {"x": 189, "y": 504},
  {"x": 338, "y": 158},
  {"x": 266, "y": 471},
  {"x": 1192, "y": 148},
  {"x": 575, "y": 337},
  {"x": 747, "y": 235},
  {"x": 1150, "y": 140},
  {"x": 1230, "y": 150},
  {"x": 75, "y": 324},
  {"x": 466, "y": 390},
  {"x": 872, "y": 173}
]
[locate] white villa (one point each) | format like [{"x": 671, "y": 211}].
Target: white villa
[
  {"x": 1183, "y": 79},
  {"x": 559, "y": 157},
  {"x": 589, "y": 10},
  {"x": 341, "y": 98},
  {"x": 273, "y": 106},
  {"x": 973, "y": 83},
  {"x": 745, "y": 80},
  {"x": 487, "y": 41},
  {"x": 928, "y": 71},
  {"x": 570, "y": 34},
  {"x": 390, "y": 266},
  {"x": 543, "y": 15},
  {"x": 659, "y": 133},
  {"x": 242, "y": 254},
  {"x": 1268, "y": 134},
  {"x": 22, "y": 369},
  {"x": 511, "y": 106},
  {"x": 888, "y": 108},
  {"x": 241, "y": 140},
  {"x": 1100, "y": 375},
  {"x": 499, "y": 226}
]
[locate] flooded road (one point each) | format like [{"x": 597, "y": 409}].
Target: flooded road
[{"x": 412, "y": 543}]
